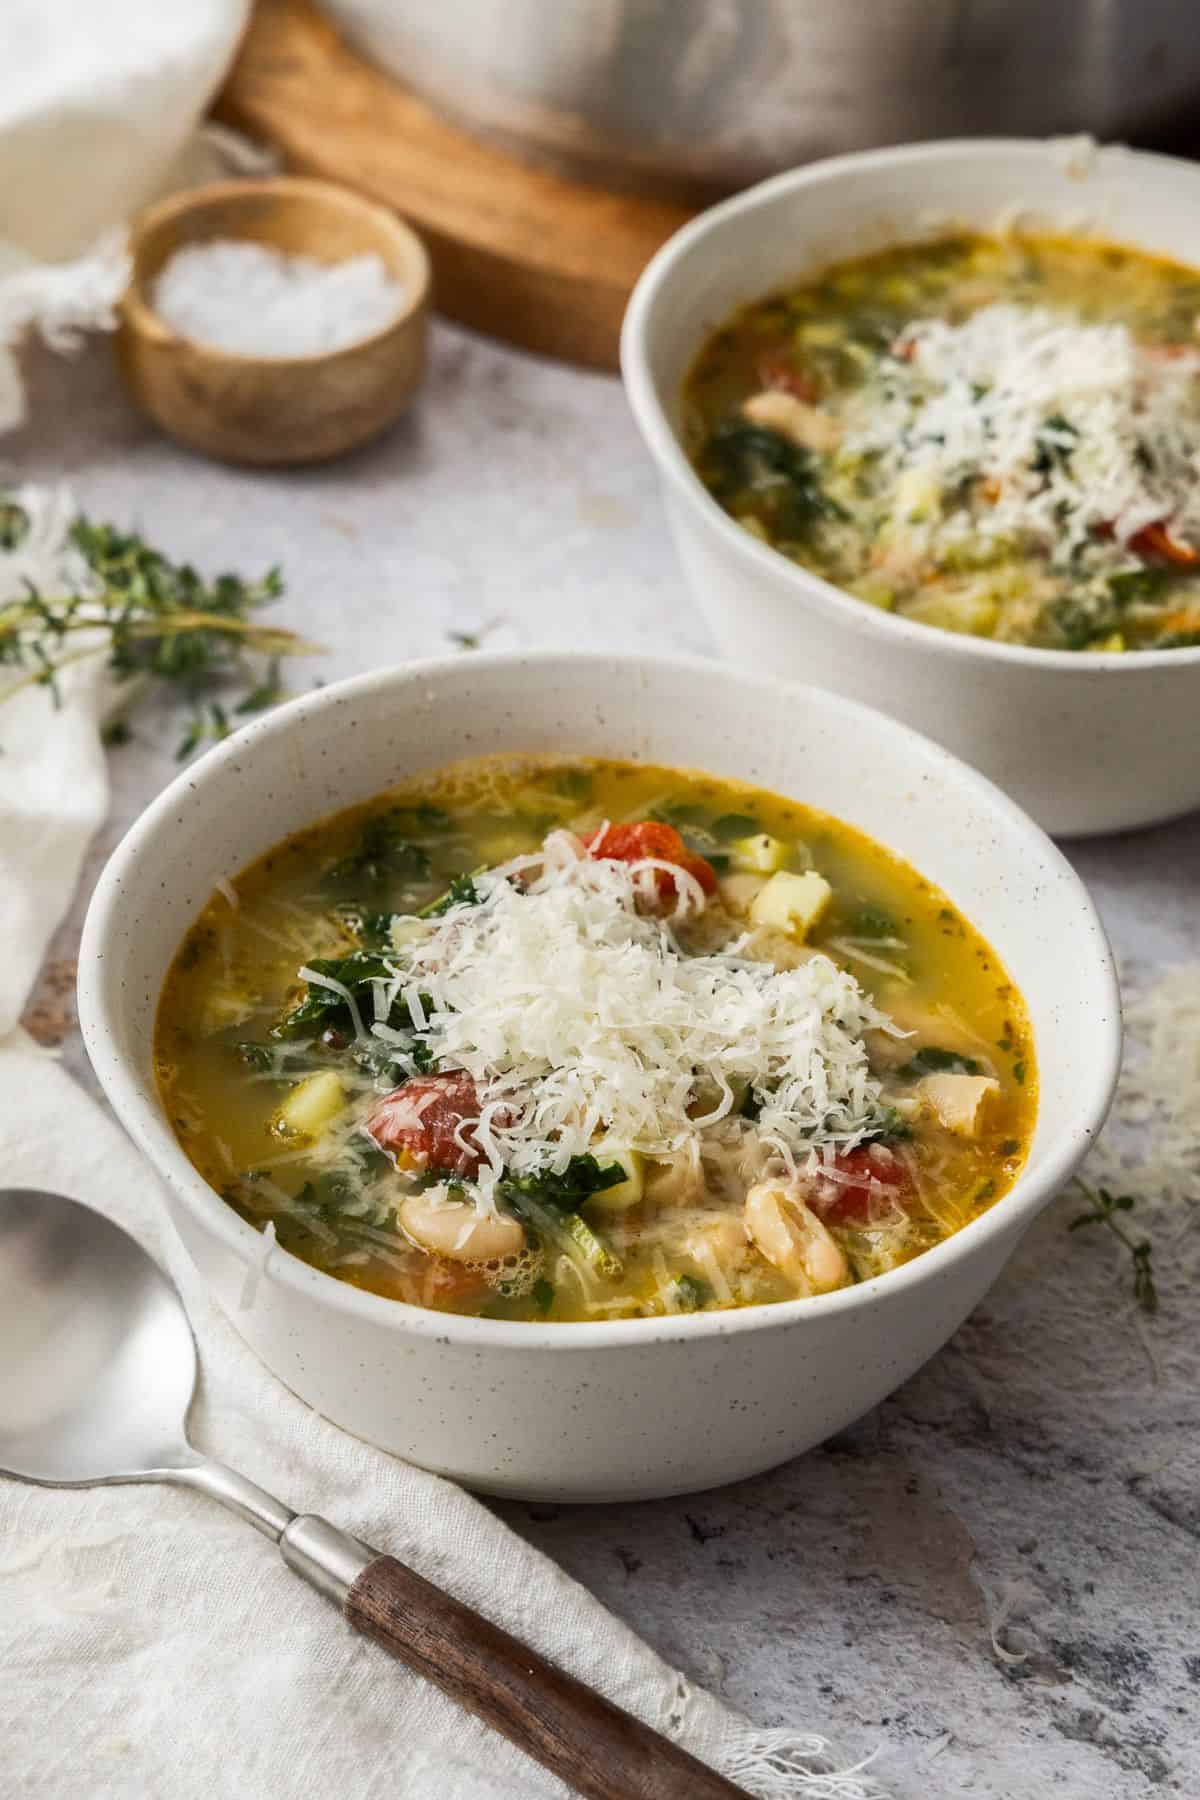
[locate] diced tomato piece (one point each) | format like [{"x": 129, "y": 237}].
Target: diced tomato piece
[
  {"x": 876, "y": 1181},
  {"x": 1156, "y": 541},
  {"x": 633, "y": 843},
  {"x": 419, "y": 1119},
  {"x": 777, "y": 370}
]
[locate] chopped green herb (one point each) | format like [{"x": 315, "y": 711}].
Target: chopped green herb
[
  {"x": 888, "y": 1127},
  {"x": 700, "y": 838},
  {"x": 932, "y": 1061},
  {"x": 383, "y": 853},
  {"x": 1019, "y": 1072},
  {"x": 872, "y": 921},
  {"x": 373, "y": 929},
  {"x": 691, "y": 1293},
  {"x": 1055, "y": 444},
  {"x": 461, "y": 892},
  {"x": 542, "y": 1294},
  {"x": 734, "y": 825},
  {"x": 575, "y": 784}
]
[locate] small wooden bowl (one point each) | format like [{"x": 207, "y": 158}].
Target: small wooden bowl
[{"x": 263, "y": 409}]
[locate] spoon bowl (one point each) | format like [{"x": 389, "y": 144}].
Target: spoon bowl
[
  {"x": 97, "y": 1369},
  {"x": 97, "y": 1362}
]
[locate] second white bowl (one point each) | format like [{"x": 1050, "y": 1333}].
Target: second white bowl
[{"x": 1086, "y": 743}]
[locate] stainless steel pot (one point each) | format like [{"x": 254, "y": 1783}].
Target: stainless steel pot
[{"x": 714, "y": 94}]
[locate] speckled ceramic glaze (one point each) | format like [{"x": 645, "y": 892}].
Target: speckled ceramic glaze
[
  {"x": 1086, "y": 742},
  {"x": 631, "y": 1408}
]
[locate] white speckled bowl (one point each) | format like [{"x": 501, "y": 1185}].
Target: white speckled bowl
[
  {"x": 1087, "y": 743},
  {"x": 638, "y": 1407}
]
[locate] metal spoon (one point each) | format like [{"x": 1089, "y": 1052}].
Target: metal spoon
[{"x": 97, "y": 1368}]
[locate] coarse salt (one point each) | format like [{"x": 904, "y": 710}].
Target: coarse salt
[{"x": 257, "y": 301}]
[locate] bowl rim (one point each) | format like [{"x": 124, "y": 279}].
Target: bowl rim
[
  {"x": 144, "y": 1122},
  {"x": 674, "y": 466},
  {"x": 141, "y": 316}
]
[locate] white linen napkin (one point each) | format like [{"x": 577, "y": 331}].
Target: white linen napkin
[
  {"x": 153, "y": 1644},
  {"x": 98, "y": 106},
  {"x": 100, "y": 109}
]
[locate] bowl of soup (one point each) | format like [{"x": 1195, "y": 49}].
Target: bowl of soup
[
  {"x": 928, "y": 423},
  {"x": 590, "y": 1077}
]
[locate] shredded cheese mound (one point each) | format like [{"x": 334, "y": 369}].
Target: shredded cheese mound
[
  {"x": 1071, "y": 429},
  {"x": 580, "y": 1019}
]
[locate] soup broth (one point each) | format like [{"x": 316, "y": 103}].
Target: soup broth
[
  {"x": 563, "y": 1040},
  {"x": 995, "y": 435}
]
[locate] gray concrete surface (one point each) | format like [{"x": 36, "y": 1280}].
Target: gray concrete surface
[{"x": 994, "y": 1579}]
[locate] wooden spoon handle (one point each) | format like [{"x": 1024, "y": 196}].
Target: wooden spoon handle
[{"x": 602, "y": 1752}]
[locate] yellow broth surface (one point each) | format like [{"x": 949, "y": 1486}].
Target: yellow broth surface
[
  {"x": 808, "y": 420},
  {"x": 245, "y": 1074}
]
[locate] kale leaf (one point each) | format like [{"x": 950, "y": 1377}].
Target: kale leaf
[
  {"x": 566, "y": 1193},
  {"x": 743, "y": 463},
  {"x": 384, "y": 852},
  {"x": 1128, "y": 586},
  {"x": 323, "y": 1009},
  {"x": 932, "y": 1061}
]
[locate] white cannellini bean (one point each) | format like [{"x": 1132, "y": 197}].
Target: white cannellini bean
[
  {"x": 793, "y": 1238},
  {"x": 806, "y": 426},
  {"x": 724, "y": 1238},
  {"x": 957, "y": 1100},
  {"x": 673, "y": 1180},
  {"x": 459, "y": 1232}
]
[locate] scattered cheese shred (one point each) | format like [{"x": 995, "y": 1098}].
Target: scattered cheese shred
[{"x": 256, "y": 1268}]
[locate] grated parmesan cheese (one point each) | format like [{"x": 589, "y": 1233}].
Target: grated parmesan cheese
[
  {"x": 256, "y": 1268},
  {"x": 1071, "y": 429},
  {"x": 578, "y": 1016}
]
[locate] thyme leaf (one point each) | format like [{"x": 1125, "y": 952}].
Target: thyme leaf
[
  {"x": 156, "y": 620},
  {"x": 1106, "y": 1210}
]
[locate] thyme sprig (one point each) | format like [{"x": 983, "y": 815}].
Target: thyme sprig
[
  {"x": 162, "y": 622},
  {"x": 1106, "y": 1209}
]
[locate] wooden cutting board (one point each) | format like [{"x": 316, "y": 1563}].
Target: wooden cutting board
[{"x": 525, "y": 255}]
